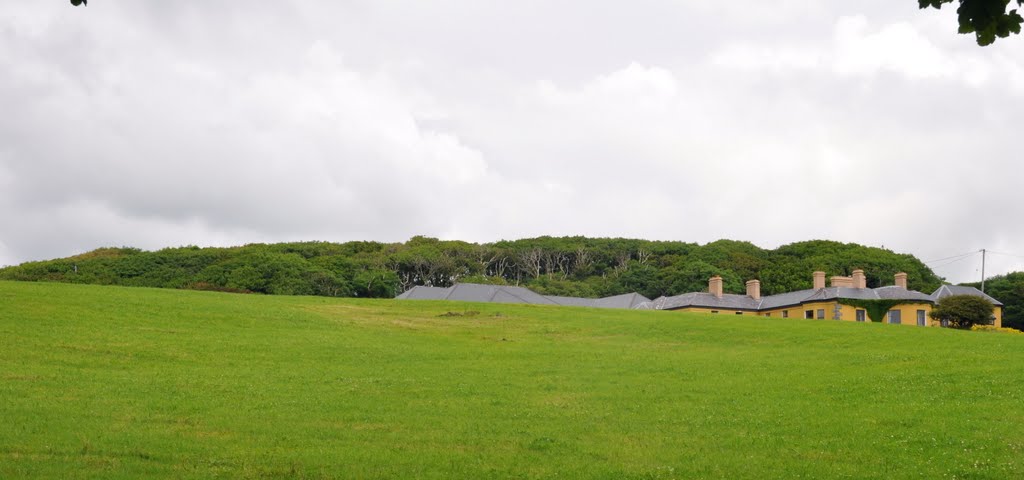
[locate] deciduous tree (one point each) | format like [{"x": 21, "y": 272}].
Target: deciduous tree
[
  {"x": 986, "y": 19},
  {"x": 963, "y": 311}
]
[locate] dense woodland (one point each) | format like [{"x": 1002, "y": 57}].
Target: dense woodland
[
  {"x": 1008, "y": 289},
  {"x": 570, "y": 266}
]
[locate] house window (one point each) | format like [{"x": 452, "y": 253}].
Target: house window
[
  {"x": 821, "y": 314},
  {"x": 739, "y": 313},
  {"x": 861, "y": 315},
  {"x": 894, "y": 316},
  {"x": 809, "y": 314},
  {"x": 714, "y": 311},
  {"x": 785, "y": 314},
  {"x": 768, "y": 314},
  {"x": 921, "y": 318}
]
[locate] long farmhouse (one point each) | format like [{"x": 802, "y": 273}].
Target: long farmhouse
[{"x": 845, "y": 298}]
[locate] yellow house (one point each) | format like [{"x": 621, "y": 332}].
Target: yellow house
[{"x": 843, "y": 300}]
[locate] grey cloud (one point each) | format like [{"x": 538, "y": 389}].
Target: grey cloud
[{"x": 167, "y": 123}]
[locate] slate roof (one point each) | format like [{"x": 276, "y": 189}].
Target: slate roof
[
  {"x": 572, "y": 301},
  {"x": 947, "y": 290},
  {"x": 424, "y": 293},
  {"x": 472, "y": 292},
  {"x": 706, "y": 300},
  {"x": 900, "y": 293},
  {"x": 891, "y": 292},
  {"x": 787, "y": 299},
  {"x": 626, "y": 300},
  {"x": 731, "y": 301}
]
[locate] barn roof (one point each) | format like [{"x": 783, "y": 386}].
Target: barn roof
[{"x": 472, "y": 292}]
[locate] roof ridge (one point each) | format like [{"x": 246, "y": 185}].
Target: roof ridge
[
  {"x": 512, "y": 293},
  {"x": 498, "y": 288}
]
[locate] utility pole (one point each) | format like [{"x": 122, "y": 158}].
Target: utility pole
[{"x": 983, "y": 270}]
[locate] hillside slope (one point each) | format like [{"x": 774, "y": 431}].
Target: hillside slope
[{"x": 111, "y": 382}]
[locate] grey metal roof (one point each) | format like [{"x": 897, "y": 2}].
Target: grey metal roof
[
  {"x": 425, "y": 293},
  {"x": 573, "y": 301},
  {"x": 626, "y": 300},
  {"x": 947, "y": 290},
  {"x": 650, "y": 304},
  {"x": 472, "y": 292}
]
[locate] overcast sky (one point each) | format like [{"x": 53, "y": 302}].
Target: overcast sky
[{"x": 217, "y": 122}]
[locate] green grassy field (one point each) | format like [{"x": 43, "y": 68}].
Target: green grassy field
[{"x": 107, "y": 382}]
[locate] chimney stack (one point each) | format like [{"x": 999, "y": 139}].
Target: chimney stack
[
  {"x": 819, "y": 280},
  {"x": 715, "y": 286},
  {"x": 858, "y": 279},
  {"x": 901, "y": 280},
  {"x": 838, "y": 281},
  {"x": 754, "y": 289}
]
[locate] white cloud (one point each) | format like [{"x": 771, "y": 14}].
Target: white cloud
[
  {"x": 156, "y": 124},
  {"x": 754, "y": 57},
  {"x": 896, "y": 47},
  {"x": 861, "y": 48},
  {"x": 317, "y": 150}
]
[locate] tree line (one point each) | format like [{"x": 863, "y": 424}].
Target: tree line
[
  {"x": 569, "y": 266},
  {"x": 1008, "y": 289}
]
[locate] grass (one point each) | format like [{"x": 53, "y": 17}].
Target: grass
[{"x": 108, "y": 382}]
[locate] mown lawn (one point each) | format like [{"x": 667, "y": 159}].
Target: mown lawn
[{"x": 108, "y": 382}]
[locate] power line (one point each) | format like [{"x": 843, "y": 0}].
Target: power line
[
  {"x": 1006, "y": 254},
  {"x": 962, "y": 258},
  {"x": 958, "y": 257}
]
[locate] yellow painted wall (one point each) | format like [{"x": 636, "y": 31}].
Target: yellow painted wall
[
  {"x": 908, "y": 312},
  {"x": 719, "y": 311},
  {"x": 798, "y": 311},
  {"x": 777, "y": 313}
]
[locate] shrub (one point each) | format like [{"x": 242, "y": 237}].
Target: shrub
[
  {"x": 992, "y": 328},
  {"x": 963, "y": 311}
]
